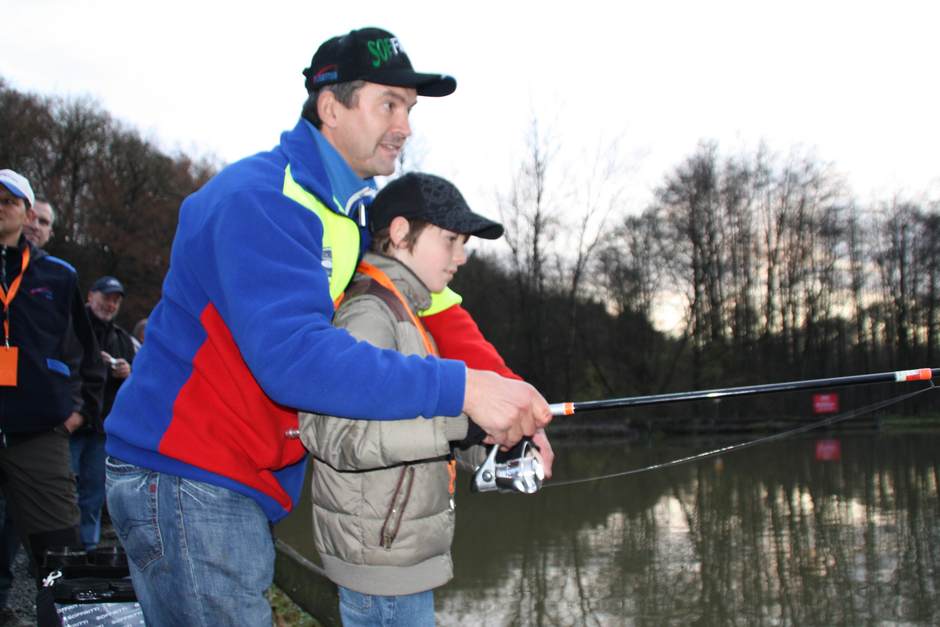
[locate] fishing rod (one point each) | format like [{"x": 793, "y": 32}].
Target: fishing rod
[
  {"x": 898, "y": 376},
  {"x": 722, "y": 450},
  {"x": 520, "y": 469}
]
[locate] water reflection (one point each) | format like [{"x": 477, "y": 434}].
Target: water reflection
[{"x": 761, "y": 536}]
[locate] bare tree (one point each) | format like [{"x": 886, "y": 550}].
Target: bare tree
[
  {"x": 116, "y": 195},
  {"x": 929, "y": 255},
  {"x": 596, "y": 197},
  {"x": 895, "y": 259},
  {"x": 689, "y": 205},
  {"x": 530, "y": 218}
]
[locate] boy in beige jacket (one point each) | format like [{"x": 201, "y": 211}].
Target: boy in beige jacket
[{"x": 383, "y": 491}]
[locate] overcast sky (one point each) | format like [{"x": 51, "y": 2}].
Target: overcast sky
[{"x": 855, "y": 82}]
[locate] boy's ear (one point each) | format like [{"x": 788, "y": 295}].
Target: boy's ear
[{"x": 398, "y": 230}]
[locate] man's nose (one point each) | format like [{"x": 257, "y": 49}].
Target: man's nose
[{"x": 403, "y": 125}]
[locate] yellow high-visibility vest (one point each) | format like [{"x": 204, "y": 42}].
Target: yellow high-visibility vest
[
  {"x": 440, "y": 301},
  {"x": 340, "y": 246}
]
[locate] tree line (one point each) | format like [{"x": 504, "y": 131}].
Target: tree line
[
  {"x": 779, "y": 272},
  {"x": 116, "y": 195}
]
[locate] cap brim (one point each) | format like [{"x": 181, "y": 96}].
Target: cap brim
[
  {"x": 16, "y": 191},
  {"x": 492, "y": 230},
  {"x": 469, "y": 223},
  {"x": 433, "y": 85}
]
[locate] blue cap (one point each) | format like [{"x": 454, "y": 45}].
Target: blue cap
[{"x": 108, "y": 285}]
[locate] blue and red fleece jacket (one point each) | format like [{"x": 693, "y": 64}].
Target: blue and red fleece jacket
[{"x": 242, "y": 337}]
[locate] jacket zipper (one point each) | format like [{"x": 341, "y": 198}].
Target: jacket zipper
[{"x": 396, "y": 508}]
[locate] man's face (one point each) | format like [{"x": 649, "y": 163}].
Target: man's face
[
  {"x": 372, "y": 133},
  {"x": 13, "y": 217},
  {"x": 39, "y": 230},
  {"x": 105, "y": 306}
]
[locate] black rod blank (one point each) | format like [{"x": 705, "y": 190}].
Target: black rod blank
[{"x": 899, "y": 376}]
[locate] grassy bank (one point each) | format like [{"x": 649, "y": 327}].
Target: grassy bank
[{"x": 286, "y": 612}]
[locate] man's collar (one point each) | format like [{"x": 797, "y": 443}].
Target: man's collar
[
  {"x": 346, "y": 186},
  {"x": 23, "y": 243}
]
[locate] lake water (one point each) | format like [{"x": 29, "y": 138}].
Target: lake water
[{"x": 834, "y": 529}]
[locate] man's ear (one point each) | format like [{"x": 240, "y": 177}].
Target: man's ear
[
  {"x": 398, "y": 230},
  {"x": 326, "y": 108}
]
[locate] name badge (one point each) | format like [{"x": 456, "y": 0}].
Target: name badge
[{"x": 8, "y": 360}]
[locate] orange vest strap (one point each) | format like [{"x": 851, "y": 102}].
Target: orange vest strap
[{"x": 382, "y": 279}]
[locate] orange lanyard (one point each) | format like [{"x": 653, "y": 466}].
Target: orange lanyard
[
  {"x": 382, "y": 279},
  {"x": 7, "y": 296}
]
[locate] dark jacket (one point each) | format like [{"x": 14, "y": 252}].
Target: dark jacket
[
  {"x": 117, "y": 342},
  {"x": 49, "y": 326}
]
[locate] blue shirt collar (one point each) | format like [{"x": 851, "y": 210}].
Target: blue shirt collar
[{"x": 348, "y": 189}]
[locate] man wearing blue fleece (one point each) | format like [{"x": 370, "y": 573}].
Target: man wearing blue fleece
[{"x": 202, "y": 437}]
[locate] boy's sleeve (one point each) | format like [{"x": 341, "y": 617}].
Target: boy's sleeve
[
  {"x": 458, "y": 337},
  {"x": 351, "y": 444}
]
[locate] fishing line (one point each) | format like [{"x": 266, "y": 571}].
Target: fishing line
[{"x": 742, "y": 445}]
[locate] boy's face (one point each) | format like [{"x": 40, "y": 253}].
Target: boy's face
[{"x": 436, "y": 256}]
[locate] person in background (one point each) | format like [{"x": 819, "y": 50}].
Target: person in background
[
  {"x": 44, "y": 319},
  {"x": 39, "y": 229},
  {"x": 87, "y": 442},
  {"x": 202, "y": 440},
  {"x": 139, "y": 330},
  {"x": 395, "y": 479}
]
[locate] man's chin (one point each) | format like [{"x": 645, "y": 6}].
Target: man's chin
[
  {"x": 384, "y": 169},
  {"x": 387, "y": 159}
]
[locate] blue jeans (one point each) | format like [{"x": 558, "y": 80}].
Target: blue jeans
[
  {"x": 87, "y": 448},
  {"x": 199, "y": 555},
  {"x": 372, "y": 610}
]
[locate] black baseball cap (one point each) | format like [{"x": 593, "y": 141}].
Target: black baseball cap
[
  {"x": 108, "y": 285},
  {"x": 432, "y": 199},
  {"x": 374, "y": 55}
]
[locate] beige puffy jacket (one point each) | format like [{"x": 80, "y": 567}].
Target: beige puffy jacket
[{"x": 383, "y": 512}]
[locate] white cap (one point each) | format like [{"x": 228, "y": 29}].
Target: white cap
[{"x": 18, "y": 186}]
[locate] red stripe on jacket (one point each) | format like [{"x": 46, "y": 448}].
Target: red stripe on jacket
[{"x": 250, "y": 442}]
